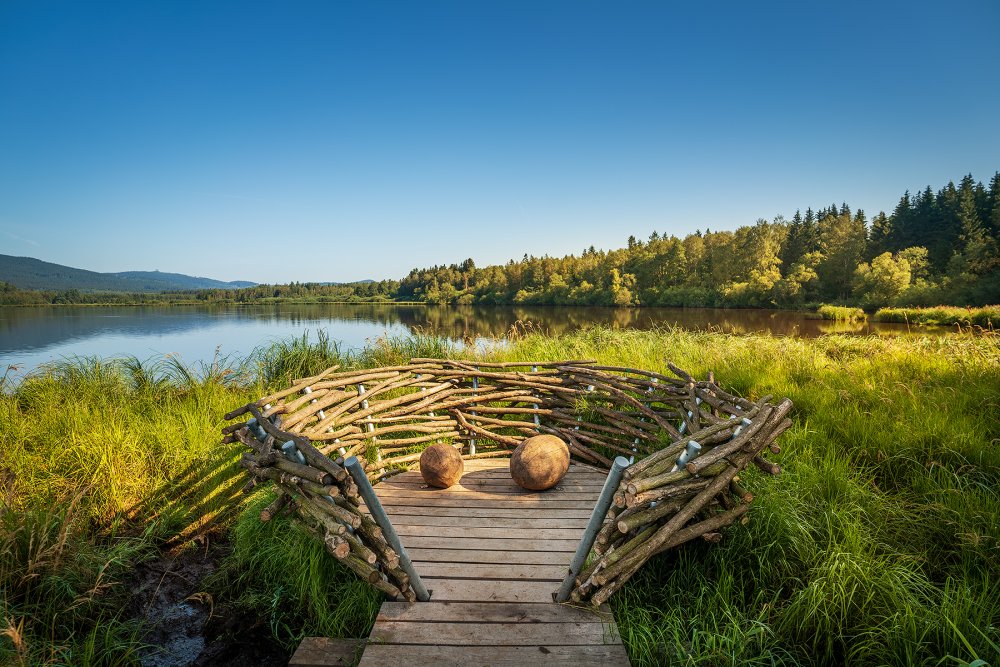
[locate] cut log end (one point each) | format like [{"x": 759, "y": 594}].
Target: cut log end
[{"x": 767, "y": 466}]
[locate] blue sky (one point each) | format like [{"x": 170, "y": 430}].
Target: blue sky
[{"x": 340, "y": 141}]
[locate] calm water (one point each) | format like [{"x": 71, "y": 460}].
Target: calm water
[{"x": 32, "y": 336}]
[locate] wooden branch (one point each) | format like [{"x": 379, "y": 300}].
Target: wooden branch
[
  {"x": 766, "y": 466},
  {"x": 615, "y": 576},
  {"x": 274, "y": 508},
  {"x": 736, "y": 444},
  {"x": 296, "y": 388},
  {"x": 650, "y": 515}
]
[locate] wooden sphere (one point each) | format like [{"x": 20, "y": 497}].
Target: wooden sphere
[
  {"x": 441, "y": 465},
  {"x": 539, "y": 462}
]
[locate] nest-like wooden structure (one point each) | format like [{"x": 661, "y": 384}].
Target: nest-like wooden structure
[{"x": 689, "y": 440}]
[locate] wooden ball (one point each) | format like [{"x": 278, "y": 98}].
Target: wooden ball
[
  {"x": 441, "y": 465},
  {"x": 539, "y": 462}
]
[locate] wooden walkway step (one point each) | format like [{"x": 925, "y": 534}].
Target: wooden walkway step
[{"x": 491, "y": 555}]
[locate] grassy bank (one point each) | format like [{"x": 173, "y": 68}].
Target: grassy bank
[
  {"x": 878, "y": 545},
  {"x": 841, "y": 313},
  {"x": 987, "y": 317}
]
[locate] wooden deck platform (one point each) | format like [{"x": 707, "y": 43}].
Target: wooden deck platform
[{"x": 491, "y": 555}]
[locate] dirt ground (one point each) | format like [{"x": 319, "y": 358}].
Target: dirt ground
[{"x": 187, "y": 628}]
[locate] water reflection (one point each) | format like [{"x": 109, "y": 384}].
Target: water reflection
[
  {"x": 474, "y": 322},
  {"x": 33, "y": 335}
]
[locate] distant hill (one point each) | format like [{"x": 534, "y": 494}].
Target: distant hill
[
  {"x": 366, "y": 281},
  {"x": 30, "y": 273}
]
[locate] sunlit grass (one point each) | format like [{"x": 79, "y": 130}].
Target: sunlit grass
[
  {"x": 841, "y": 313},
  {"x": 879, "y": 544},
  {"x": 987, "y": 317},
  {"x": 285, "y": 574}
]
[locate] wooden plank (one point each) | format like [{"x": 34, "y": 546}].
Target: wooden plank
[
  {"x": 582, "y": 497},
  {"x": 471, "y": 482},
  {"x": 588, "y": 468},
  {"x": 484, "y": 556},
  {"x": 504, "y": 472},
  {"x": 473, "y": 513},
  {"x": 489, "y": 590},
  {"x": 492, "y": 554},
  {"x": 394, "y": 655},
  {"x": 499, "y": 473},
  {"x": 458, "y": 501},
  {"x": 477, "y": 487},
  {"x": 491, "y": 612},
  {"x": 489, "y": 544},
  {"x": 514, "y": 570},
  {"x": 497, "y": 486},
  {"x": 494, "y": 634},
  {"x": 495, "y": 522},
  {"x": 325, "y": 652},
  {"x": 492, "y": 486},
  {"x": 464, "y": 532}
]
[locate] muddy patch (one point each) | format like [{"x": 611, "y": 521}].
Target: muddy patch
[{"x": 185, "y": 627}]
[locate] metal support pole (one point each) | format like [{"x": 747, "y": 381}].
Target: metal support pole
[
  {"x": 534, "y": 369},
  {"x": 370, "y": 427},
  {"x": 475, "y": 388},
  {"x": 292, "y": 453},
  {"x": 382, "y": 519},
  {"x": 684, "y": 425},
  {"x": 593, "y": 526},
  {"x": 692, "y": 449},
  {"x": 256, "y": 429}
]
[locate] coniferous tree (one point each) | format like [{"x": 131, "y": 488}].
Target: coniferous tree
[
  {"x": 899, "y": 223},
  {"x": 794, "y": 246},
  {"x": 968, "y": 216},
  {"x": 879, "y": 234},
  {"x": 992, "y": 217},
  {"x": 945, "y": 228}
]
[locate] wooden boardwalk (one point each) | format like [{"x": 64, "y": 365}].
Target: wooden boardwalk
[{"x": 491, "y": 555}]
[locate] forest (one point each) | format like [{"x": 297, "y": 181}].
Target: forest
[{"x": 934, "y": 248}]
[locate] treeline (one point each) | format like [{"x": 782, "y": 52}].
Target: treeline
[
  {"x": 934, "y": 248},
  {"x": 363, "y": 292}
]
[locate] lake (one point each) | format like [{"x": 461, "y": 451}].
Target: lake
[{"x": 31, "y": 336}]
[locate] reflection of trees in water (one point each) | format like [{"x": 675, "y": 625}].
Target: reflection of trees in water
[
  {"x": 470, "y": 322},
  {"x": 36, "y": 328},
  {"x": 828, "y": 327}
]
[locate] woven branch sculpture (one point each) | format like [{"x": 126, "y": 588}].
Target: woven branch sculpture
[{"x": 689, "y": 439}]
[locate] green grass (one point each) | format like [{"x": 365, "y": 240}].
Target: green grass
[
  {"x": 879, "y": 544},
  {"x": 102, "y": 462},
  {"x": 987, "y": 317},
  {"x": 841, "y": 313}
]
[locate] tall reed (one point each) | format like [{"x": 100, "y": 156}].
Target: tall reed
[
  {"x": 879, "y": 543},
  {"x": 841, "y": 313},
  {"x": 987, "y": 317}
]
